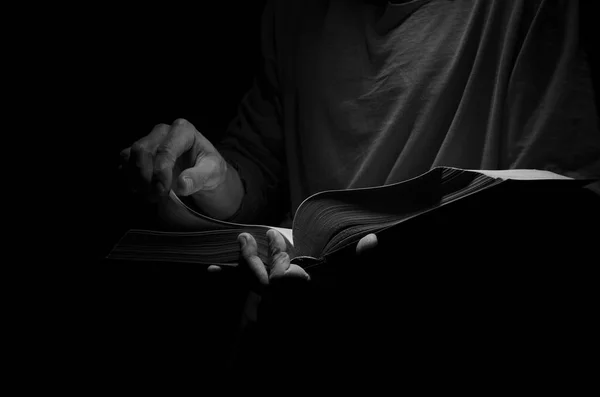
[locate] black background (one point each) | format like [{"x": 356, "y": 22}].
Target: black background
[
  {"x": 193, "y": 63},
  {"x": 104, "y": 76}
]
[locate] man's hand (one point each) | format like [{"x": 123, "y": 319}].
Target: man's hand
[
  {"x": 279, "y": 266},
  {"x": 177, "y": 157}
]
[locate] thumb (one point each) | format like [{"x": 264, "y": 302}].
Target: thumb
[
  {"x": 366, "y": 244},
  {"x": 207, "y": 174},
  {"x": 214, "y": 268}
]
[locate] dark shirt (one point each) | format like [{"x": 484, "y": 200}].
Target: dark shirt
[{"x": 357, "y": 94}]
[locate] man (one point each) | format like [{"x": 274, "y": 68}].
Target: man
[{"x": 365, "y": 93}]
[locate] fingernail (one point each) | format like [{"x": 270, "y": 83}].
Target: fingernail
[
  {"x": 189, "y": 185},
  {"x": 243, "y": 240},
  {"x": 160, "y": 188}
]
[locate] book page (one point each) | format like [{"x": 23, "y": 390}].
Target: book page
[
  {"x": 195, "y": 238},
  {"x": 209, "y": 247},
  {"x": 201, "y": 221},
  {"x": 521, "y": 174},
  {"x": 328, "y": 215},
  {"x": 328, "y": 220}
]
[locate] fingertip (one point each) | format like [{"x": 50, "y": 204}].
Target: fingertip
[
  {"x": 293, "y": 271},
  {"x": 272, "y": 233},
  {"x": 366, "y": 243},
  {"x": 305, "y": 272},
  {"x": 179, "y": 121},
  {"x": 185, "y": 185},
  {"x": 243, "y": 238},
  {"x": 372, "y": 238},
  {"x": 306, "y": 275},
  {"x": 214, "y": 269}
]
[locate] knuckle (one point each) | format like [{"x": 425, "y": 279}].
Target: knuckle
[
  {"x": 160, "y": 126},
  {"x": 162, "y": 149},
  {"x": 180, "y": 121},
  {"x": 219, "y": 165},
  {"x": 274, "y": 250},
  {"x": 164, "y": 152},
  {"x": 139, "y": 147},
  {"x": 160, "y": 166}
]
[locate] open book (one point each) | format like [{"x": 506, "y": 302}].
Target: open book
[{"x": 325, "y": 222}]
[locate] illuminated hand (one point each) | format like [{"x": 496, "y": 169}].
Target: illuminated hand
[{"x": 279, "y": 266}]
